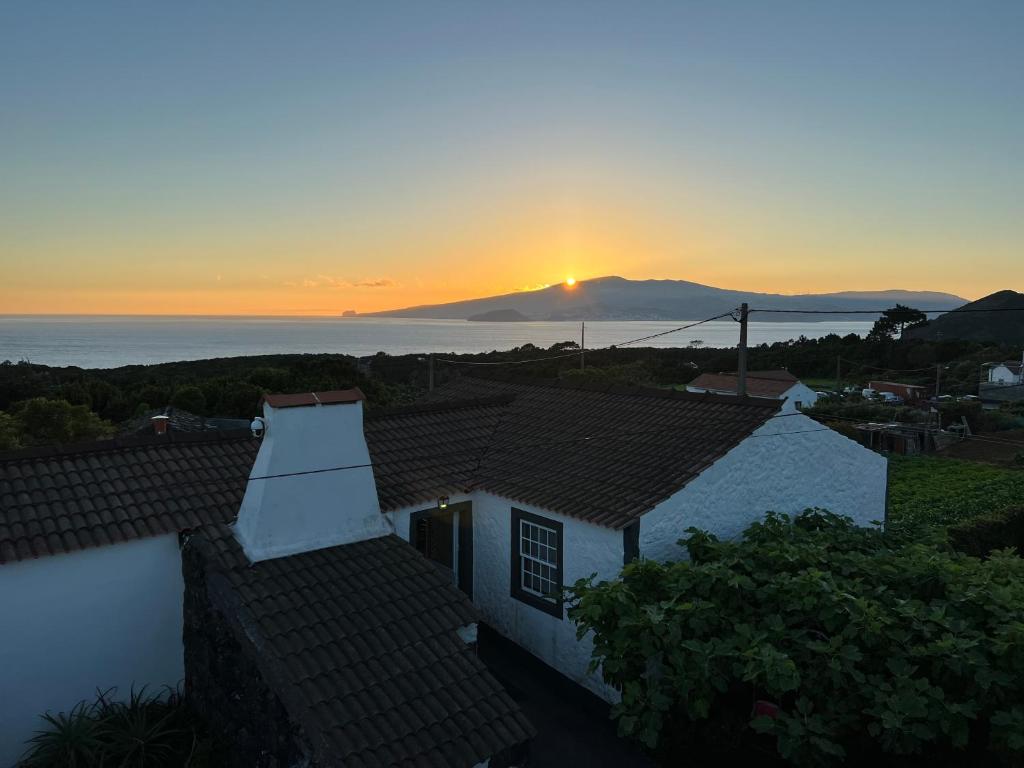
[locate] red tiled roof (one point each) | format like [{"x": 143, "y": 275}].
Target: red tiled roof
[
  {"x": 332, "y": 397},
  {"x": 759, "y": 383}
]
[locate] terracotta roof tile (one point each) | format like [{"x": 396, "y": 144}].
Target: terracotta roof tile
[
  {"x": 353, "y": 395},
  {"x": 759, "y": 383}
]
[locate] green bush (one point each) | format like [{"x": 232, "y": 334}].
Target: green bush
[
  {"x": 984, "y": 533},
  {"x": 831, "y": 641},
  {"x": 146, "y": 731}
]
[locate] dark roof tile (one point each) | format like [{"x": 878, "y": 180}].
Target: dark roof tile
[
  {"x": 119, "y": 490},
  {"x": 395, "y": 689}
]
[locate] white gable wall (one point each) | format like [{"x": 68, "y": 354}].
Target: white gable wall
[
  {"x": 788, "y": 464},
  {"x": 1001, "y": 374},
  {"x": 798, "y": 393},
  {"x": 72, "y": 623}
]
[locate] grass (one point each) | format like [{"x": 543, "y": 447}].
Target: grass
[{"x": 936, "y": 491}]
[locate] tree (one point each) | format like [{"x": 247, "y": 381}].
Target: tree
[
  {"x": 838, "y": 643},
  {"x": 8, "y": 432},
  {"x": 894, "y": 321},
  {"x": 41, "y": 421},
  {"x": 190, "y": 399}
]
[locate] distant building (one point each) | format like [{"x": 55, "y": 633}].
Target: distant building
[
  {"x": 910, "y": 393},
  {"x": 778, "y": 385},
  {"x": 1006, "y": 373},
  {"x": 171, "y": 419}
]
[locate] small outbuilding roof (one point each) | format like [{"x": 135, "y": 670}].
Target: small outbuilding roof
[
  {"x": 360, "y": 643},
  {"x": 179, "y": 420},
  {"x": 759, "y": 383}
]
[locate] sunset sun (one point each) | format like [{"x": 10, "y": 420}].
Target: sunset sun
[{"x": 570, "y": 282}]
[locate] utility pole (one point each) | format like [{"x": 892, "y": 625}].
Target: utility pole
[
  {"x": 741, "y": 388},
  {"x": 938, "y": 379},
  {"x": 839, "y": 378},
  {"x": 583, "y": 342},
  {"x": 430, "y": 373}
]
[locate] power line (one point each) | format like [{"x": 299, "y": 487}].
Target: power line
[
  {"x": 878, "y": 311},
  {"x": 579, "y": 352},
  {"x": 673, "y": 330}
]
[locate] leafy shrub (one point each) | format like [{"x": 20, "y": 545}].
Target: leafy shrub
[
  {"x": 829, "y": 640},
  {"x": 984, "y": 533},
  {"x": 146, "y": 731}
]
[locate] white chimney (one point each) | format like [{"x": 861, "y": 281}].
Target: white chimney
[{"x": 312, "y": 483}]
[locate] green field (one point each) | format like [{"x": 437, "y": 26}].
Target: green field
[{"x": 929, "y": 490}]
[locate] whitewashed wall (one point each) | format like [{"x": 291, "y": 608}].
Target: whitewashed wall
[
  {"x": 104, "y": 617},
  {"x": 311, "y": 485},
  {"x": 770, "y": 471},
  {"x": 798, "y": 393},
  {"x": 587, "y": 549},
  {"x": 1000, "y": 374}
]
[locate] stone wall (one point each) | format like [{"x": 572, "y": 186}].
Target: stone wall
[{"x": 226, "y": 686}]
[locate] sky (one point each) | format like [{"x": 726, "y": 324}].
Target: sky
[{"x": 311, "y": 158}]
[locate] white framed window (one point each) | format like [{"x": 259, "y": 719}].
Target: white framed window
[{"x": 537, "y": 561}]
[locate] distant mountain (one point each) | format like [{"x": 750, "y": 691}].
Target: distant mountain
[
  {"x": 999, "y": 327},
  {"x": 616, "y": 298}
]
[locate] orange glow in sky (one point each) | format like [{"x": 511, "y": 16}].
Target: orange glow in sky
[{"x": 156, "y": 161}]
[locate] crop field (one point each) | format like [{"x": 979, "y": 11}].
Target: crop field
[{"x": 931, "y": 490}]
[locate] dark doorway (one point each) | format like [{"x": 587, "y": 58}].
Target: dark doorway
[{"x": 432, "y": 532}]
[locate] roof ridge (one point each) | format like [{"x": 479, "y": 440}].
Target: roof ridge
[
  {"x": 635, "y": 390},
  {"x": 439, "y": 406},
  {"x": 124, "y": 442}
]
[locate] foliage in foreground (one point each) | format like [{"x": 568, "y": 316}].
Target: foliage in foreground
[
  {"x": 146, "y": 731},
  {"x": 826, "y": 639},
  {"x": 932, "y": 490}
]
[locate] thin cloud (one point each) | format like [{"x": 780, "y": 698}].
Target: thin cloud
[{"x": 327, "y": 281}]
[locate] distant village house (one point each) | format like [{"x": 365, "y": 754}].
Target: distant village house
[{"x": 780, "y": 385}]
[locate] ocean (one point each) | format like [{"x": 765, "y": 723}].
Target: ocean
[{"x": 111, "y": 341}]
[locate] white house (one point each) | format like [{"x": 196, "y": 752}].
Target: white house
[
  {"x": 1006, "y": 373},
  {"x": 779, "y": 385},
  {"x": 514, "y": 489}
]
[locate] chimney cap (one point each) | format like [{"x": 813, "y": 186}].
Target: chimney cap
[
  {"x": 160, "y": 423},
  {"x": 302, "y": 399}
]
